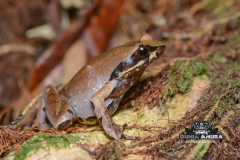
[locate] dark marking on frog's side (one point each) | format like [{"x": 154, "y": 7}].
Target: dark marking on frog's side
[
  {"x": 80, "y": 119},
  {"x": 112, "y": 106},
  {"x": 91, "y": 119},
  {"x": 63, "y": 125},
  {"x": 122, "y": 86},
  {"x": 69, "y": 111},
  {"x": 126, "y": 64},
  {"x": 44, "y": 109}
]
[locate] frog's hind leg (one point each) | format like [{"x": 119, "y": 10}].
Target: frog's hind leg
[
  {"x": 41, "y": 119},
  {"x": 58, "y": 110}
]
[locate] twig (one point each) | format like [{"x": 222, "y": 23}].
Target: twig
[
  {"x": 231, "y": 130},
  {"x": 14, "y": 123}
]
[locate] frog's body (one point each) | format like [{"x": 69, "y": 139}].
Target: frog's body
[
  {"x": 94, "y": 93},
  {"x": 89, "y": 82}
]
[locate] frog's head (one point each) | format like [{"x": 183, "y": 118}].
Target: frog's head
[
  {"x": 148, "y": 50},
  {"x": 143, "y": 52}
]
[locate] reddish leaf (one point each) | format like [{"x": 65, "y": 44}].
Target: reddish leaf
[{"x": 102, "y": 26}]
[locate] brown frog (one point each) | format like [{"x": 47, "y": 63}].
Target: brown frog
[{"x": 94, "y": 93}]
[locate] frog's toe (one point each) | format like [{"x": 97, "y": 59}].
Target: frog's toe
[
  {"x": 122, "y": 127},
  {"x": 123, "y": 136},
  {"x": 64, "y": 125}
]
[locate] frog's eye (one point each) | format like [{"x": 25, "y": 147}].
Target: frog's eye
[{"x": 143, "y": 51}]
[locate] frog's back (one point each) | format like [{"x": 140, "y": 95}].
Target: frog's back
[{"x": 92, "y": 77}]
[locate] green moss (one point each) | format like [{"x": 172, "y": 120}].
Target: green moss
[
  {"x": 217, "y": 58},
  {"x": 181, "y": 75},
  {"x": 117, "y": 154},
  {"x": 234, "y": 66},
  {"x": 208, "y": 4},
  {"x": 202, "y": 77},
  {"x": 220, "y": 110},
  {"x": 225, "y": 93},
  {"x": 35, "y": 143},
  {"x": 111, "y": 144},
  {"x": 183, "y": 86},
  {"x": 116, "y": 150},
  {"x": 200, "y": 150},
  {"x": 168, "y": 90},
  {"x": 232, "y": 43},
  {"x": 199, "y": 67},
  {"x": 216, "y": 7}
]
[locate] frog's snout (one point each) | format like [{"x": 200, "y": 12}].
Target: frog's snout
[
  {"x": 160, "y": 50},
  {"x": 157, "y": 53}
]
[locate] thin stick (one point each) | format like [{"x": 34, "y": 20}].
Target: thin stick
[{"x": 14, "y": 123}]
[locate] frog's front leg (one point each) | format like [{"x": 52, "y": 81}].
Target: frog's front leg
[
  {"x": 102, "y": 113},
  {"x": 58, "y": 110}
]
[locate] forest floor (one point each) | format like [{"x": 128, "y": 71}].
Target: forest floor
[{"x": 196, "y": 79}]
